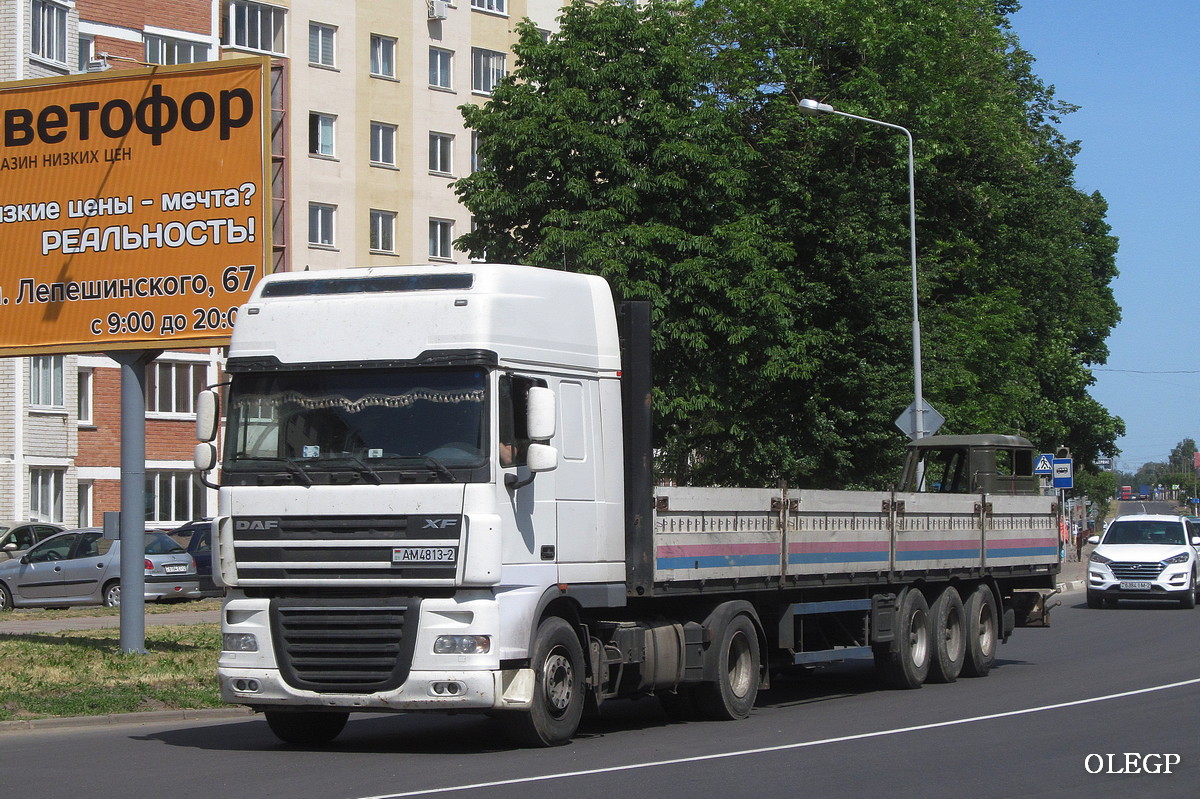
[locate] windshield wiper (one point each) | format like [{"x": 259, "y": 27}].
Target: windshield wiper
[
  {"x": 362, "y": 468},
  {"x": 439, "y": 467},
  {"x": 290, "y": 466}
]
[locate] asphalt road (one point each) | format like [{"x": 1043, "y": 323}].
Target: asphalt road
[{"x": 1061, "y": 700}]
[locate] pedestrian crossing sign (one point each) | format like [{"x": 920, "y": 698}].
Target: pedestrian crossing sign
[{"x": 1044, "y": 464}]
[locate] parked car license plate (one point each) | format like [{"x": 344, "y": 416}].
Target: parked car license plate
[
  {"x": 424, "y": 554},
  {"x": 175, "y": 568},
  {"x": 1135, "y": 585}
]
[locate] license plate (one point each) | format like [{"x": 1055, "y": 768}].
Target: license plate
[
  {"x": 1135, "y": 585},
  {"x": 175, "y": 568},
  {"x": 424, "y": 554}
]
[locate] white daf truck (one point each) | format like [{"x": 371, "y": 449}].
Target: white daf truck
[{"x": 436, "y": 494}]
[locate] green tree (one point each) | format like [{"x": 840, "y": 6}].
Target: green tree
[{"x": 661, "y": 146}]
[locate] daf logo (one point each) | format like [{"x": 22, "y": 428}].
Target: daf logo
[
  {"x": 256, "y": 524},
  {"x": 439, "y": 524}
]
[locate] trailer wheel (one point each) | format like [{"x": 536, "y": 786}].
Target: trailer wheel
[
  {"x": 308, "y": 727},
  {"x": 558, "y": 694},
  {"x": 907, "y": 665},
  {"x": 983, "y": 632},
  {"x": 948, "y": 621},
  {"x": 732, "y": 695}
]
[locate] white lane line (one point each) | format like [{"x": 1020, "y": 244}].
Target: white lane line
[{"x": 782, "y": 747}]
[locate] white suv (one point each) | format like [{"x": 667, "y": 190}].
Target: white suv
[{"x": 1145, "y": 556}]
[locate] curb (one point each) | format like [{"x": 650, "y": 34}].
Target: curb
[
  {"x": 116, "y": 719},
  {"x": 1073, "y": 585}
]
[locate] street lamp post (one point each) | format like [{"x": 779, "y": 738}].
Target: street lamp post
[{"x": 815, "y": 108}]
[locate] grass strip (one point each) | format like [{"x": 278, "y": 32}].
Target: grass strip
[{"x": 84, "y": 673}]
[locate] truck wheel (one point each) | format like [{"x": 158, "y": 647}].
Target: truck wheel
[
  {"x": 738, "y": 673},
  {"x": 907, "y": 664},
  {"x": 948, "y": 620},
  {"x": 983, "y": 632},
  {"x": 308, "y": 727},
  {"x": 558, "y": 694}
]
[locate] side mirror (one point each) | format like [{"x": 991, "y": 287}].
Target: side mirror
[
  {"x": 204, "y": 456},
  {"x": 1196, "y": 540},
  {"x": 542, "y": 414},
  {"x": 542, "y": 458},
  {"x": 208, "y": 414},
  {"x": 1094, "y": 539},
  {"x": 11, "y": 546}
]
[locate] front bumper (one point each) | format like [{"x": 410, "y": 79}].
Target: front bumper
[
  {"x": 1172, "y": 582},
  {"x": 510, "y": 689}
]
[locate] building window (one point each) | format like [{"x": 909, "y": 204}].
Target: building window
[
  {"x": 320, "y": 44},
  {"x": 87, "y": 51},
  {"x": 383, "y": 56},
  {"x": 174, "y": 496},
  {"x": 46, "y": 495},
  {"x": 497, "y": 6},
  {"x": 383, "y": 231},
  {"x": 476, "y": 160},
  {"x": 320, "y": 224},
  {"x": 487, "y": 69},
  {"x": 85, "y": 397},
  {"x": 320, "y": 134},
  {"x": 46, "y": 388},
  {"x": 441, "y": 153},
  {"x": 383, "y": 144},
  {"x": 165, "y": 50},
  {"x": 441, "y": 233},
  {"x": 84, "y": 492},
  {"x": 48, "y": 31},
  {"x": 441, "y": 63},
  {"x": 255, "y": 26},
  {"x": 172, "y": 387}
]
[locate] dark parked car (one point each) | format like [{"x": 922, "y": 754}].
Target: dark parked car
[
  {"x": 17, "y": 537},
  {"x": 82, "y": 567},
  {"x": 196, "y": 537}
]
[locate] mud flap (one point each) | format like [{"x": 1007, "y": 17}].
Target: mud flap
[{"x": 1032, "y": 608}]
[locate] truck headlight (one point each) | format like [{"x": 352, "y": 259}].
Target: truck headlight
[
  {"x": 462, "y": 645},
  {"x": 239, "y": 642}
]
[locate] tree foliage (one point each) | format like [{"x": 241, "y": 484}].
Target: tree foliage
[{"x": 662, "y": 146}]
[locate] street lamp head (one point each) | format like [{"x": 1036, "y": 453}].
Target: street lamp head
[{"x": 813, "y": 107}]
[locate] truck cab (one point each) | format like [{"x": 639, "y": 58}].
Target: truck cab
[{"x": 974, "y": 464}]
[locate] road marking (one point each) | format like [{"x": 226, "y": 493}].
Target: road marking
[{"x": 782, "y": 747}]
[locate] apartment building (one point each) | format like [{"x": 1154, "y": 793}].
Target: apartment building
[{"x": 367, "y": 139}]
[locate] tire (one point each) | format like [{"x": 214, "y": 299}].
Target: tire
[
  {"x": 6, "y": 600},
  {"x": 1095, "y": 600},
  {"x": 983, "y": 632},
  {"x": 1188, "y": 600},
  {"x": 558, "y": 694},
  {"x": 947, "y": 619},
  {"x": 739, "y": 673},
  {"x": 111, "y": 595},
  {"x": 308, "y": 727},
  {"x": 906, "y": 665}
]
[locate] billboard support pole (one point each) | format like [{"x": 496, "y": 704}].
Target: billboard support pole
[{"x": 133, "y": 497}]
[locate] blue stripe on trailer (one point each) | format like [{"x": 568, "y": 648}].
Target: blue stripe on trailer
[{"x": 717, "y": 561}]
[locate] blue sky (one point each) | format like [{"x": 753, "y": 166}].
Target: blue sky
[{"x": 1133, "y": 69}]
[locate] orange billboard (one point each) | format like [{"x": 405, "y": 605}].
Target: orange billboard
[{"x": 132, "y": 206}]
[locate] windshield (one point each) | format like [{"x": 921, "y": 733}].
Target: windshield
[
  {"x": 366, "y": 421},
  {"x": 1144, "y": 532},
  {"x": 159, "y": 544}
]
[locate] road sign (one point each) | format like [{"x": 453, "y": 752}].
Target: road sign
[
  {"x": 1044, "y": 464},
  {"x": 1063, "y": 473},
  {"x": 932, "y": 420}
]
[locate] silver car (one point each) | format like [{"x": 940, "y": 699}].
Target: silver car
[
  {"x": 17, "y": 537},
  {"x": 82, "y": 567}
]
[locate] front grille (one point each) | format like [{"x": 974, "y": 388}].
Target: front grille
[
  {"x": 1124, "y": 570},
  {"x": 344, "y": 645}
]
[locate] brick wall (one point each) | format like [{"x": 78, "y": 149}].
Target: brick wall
[{"x": 192, "y": 16}]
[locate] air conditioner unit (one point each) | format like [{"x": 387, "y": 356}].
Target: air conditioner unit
[
  {"x": 439, "y": 9},
  {"x": 97, "y": 65}
]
